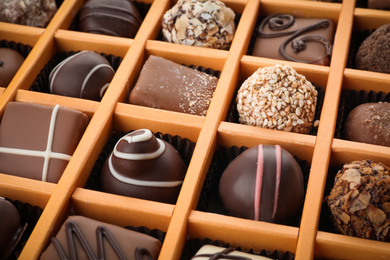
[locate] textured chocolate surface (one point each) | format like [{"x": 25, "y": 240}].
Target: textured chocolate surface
[
  {"x": 10, "y": 62},
  {"x": 85, "y": 238},
  {"x": 86, "y": 74},
  {"x": 379, "y": 4},
  {"x": 167, "y": 85},
  {"x": 285, "y": 37},
  {"x": 369, "y": 123},
  {"x": 110, "y": 17},
  {"x": 208, "y": 23},
  {"x": 37, "y": 141},
  {"x": 10, "y": 228},
  {"x": 263, "y": 183},
  {"x": 220, "y": 253},
  {"x": 374, "y": 52},
  {"x": 37, "y": 13},
  {"x": 143, "y": 166},
  {"x": 360, "y": 200}
]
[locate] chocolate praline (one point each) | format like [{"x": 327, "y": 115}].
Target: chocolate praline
[
  {"x": 263, "y": 183},
  {"x": 143, "y": 166},
  {"x": 10, "y": 62}
]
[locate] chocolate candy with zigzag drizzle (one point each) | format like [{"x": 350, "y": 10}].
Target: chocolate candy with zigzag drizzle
[{"x": 285, "y": 37}]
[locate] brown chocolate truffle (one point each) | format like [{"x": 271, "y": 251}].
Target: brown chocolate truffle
[
  {"x": 360, "y": 200},
  {"x": 285, "y": 37},
  {"x": 143, "y": 166},
  {"x": 10, "y": 228},
  {"x": 167, "y": 85},
  {"x": 263, "y": 183},
  {"x": 10, "y": 62},
  {"x": 374, "y": 52},
  {"x": 86, "y": 74},
  {"x": 37, "y": 141},
  {"x": 36, "y": 13},
  {"x": 99, "y": 240},
  {"x": 110, "y": 17},
  {"x": 369, "y": 123},
  {"x": 206, "y": 23}
]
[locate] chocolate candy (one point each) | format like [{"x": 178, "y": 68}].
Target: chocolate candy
[
  {"x": 359, "y": 201},
  {"x": 36, "y": 13},
  {"x": 99, "y": 240},
  {"x": 10, "y": 228},
  {"x": 167, "y": 85},
  {"x": 110, "y": 17},
  {"x": 207, "y": 23},
  {"x": 379, "y": 4},
  {"x": 263, "y": 183},
  {"x": 369, "y": 123},
  {"x": 37, "y": 141},
  {"x": 83, "y": 75},
  {"x": 143, "y": 166},
  {"x": 10, "y": 62},
  {"x": 279, "y": 98},
  {"x": 214, "y": 252},
  {"x": 285, "y": 37}
]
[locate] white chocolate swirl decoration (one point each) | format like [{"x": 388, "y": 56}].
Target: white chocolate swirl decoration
[{"x": 138, "y": 136}]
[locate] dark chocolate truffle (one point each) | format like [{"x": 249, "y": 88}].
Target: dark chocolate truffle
[
  {"x": 143, "y": 166},
  {"x": 167, "y": 85},
  {"x": 110, "y": 17},
  {"x": 86, "y": 74},
  {"x": 374, "y": 52},
  {"x": 37, "y": 13},
  {"x": 99, "y": 240},
  {"x": 10, "y": 228},
  {"x": 263, "y": 183},
  {"x": 360, "y": 200},
  {"x": 37, "y": 141},
  {"x": 10, "y": 62},
  {"x": 285, "y": 37},
  {"x": 369, "y": 123},
  {"x": 206, "y": 23}
]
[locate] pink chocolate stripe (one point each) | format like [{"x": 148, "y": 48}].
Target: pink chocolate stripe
[
  {"x": 259, "y": 180},
  {"x": 278, "y": 155}
]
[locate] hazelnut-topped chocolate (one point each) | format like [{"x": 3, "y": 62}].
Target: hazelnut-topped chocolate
[
  {"x": 143, "y": 166},
  {"x": 10, "y": 62}
]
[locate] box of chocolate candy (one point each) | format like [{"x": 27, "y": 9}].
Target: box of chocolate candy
[{"x": 194, "y": 129}]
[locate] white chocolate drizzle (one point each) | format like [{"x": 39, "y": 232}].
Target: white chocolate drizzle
[{"x": 48, "y": 153}]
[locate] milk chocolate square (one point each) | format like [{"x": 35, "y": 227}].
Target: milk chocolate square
[
  {"x": 37, "y": 141},
  {"x": 167, "y": 85},
  {"x": 215, "y": 252},
  {"x": 285, "y": 37}
]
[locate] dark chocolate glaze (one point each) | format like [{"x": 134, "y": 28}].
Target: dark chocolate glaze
[
  {"x": 110, "y": 17},
  {"x": 224, "y": 254},
  {"x": 10, "y": 62},
  {"x": 86, "y": 74},
  {"x": 157, "y": 178},
  {"x": 237, "y": 186}
]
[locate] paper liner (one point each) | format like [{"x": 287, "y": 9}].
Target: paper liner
[
  {"x": 193, "y": 245},
  {"x": 183, "y": 146},
  {"x": 143, "y": 9},
  {"x": 210, "y": 201},
  {"x": 357, "y": 37},
  {"x": 41, "y": 83},
  {"x": 28, "y": 215}
]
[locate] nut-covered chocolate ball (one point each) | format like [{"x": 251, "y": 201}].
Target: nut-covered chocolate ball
[
  {"x": 143, "y": 166},
  {"x": 10, "y": 62}
]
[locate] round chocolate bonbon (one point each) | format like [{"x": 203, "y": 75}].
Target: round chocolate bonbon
[
  {"x": 85, "y": 74},
  {"x": 143, "y": 166},
  {"x": 10, "y": 62},
  {"x": 110, "y": 17},
  {"x": 263, "y": 183}
]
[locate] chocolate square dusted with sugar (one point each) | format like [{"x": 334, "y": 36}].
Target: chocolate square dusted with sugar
[
  {"x": 164, "y": 84},
  {"x": 37, "y": 141}
]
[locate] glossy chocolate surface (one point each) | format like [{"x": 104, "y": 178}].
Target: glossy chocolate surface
[
  {"x": 285, "y": 37},
  {"x": 207, "y": 252},
  {"x": 369, "y": 123},
  {"x": 110, "y": 17},
  {"x": 10, "y": 62},
  {"x": 98, "y": 240},
  {"x": 86, "y": 74},
  {"x": 263, "y": 183},
  {"x": 167, "y": 85},
  {"x": 37, "y": 141},
  {"x": 143, "y": 166}
]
